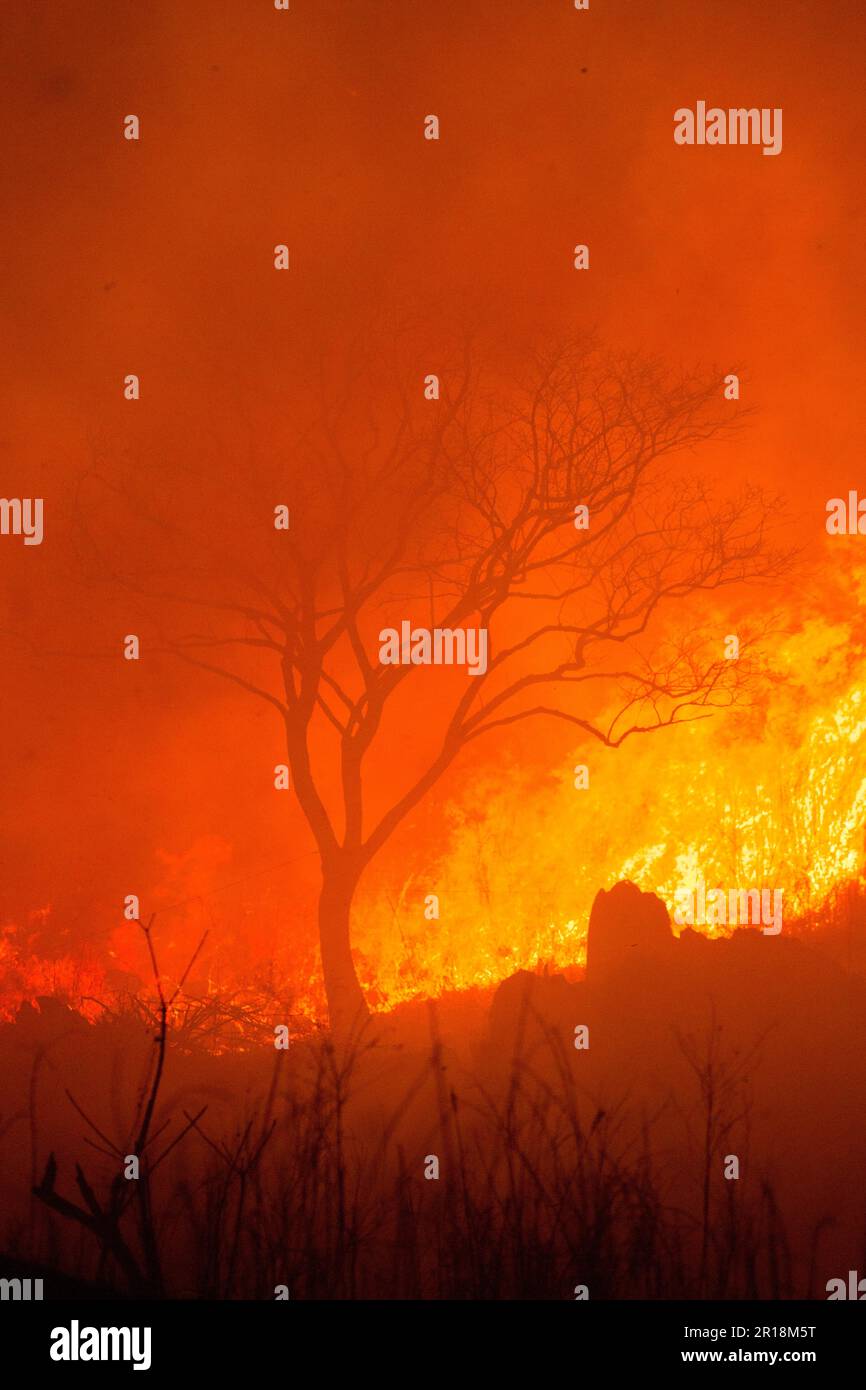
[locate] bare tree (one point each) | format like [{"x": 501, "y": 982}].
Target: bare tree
[{"x": 461, "y": 511}]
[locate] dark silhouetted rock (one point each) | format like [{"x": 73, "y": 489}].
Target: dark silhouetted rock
[{"x": 625, "y": 924}]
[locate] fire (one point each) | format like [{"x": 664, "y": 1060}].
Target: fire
[
  {"x": 27, "y": 977},
  {"x": 771, "y": 796}
]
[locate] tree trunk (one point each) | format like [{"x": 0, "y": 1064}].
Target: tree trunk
[{"x": 347, "y": 1007}]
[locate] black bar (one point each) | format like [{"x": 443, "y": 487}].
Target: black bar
[{"x": 403, "y": 1339}]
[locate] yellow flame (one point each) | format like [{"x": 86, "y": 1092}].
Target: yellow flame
[{"x": 766, "y": 798}]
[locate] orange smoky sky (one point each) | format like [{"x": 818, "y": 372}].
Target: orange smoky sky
[{"x": 156, "y": 257}]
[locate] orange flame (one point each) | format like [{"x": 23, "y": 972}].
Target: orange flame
[{"x": 772, "y": 796}]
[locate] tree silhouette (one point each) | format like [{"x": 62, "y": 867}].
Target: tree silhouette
[{"x": 461, "y": 512}]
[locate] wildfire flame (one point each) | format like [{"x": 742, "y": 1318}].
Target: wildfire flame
[
  {"x": 772, "y": 796},
  {"x": 769, "y": 797}
]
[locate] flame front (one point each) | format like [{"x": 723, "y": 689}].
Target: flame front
[{"x": 771, "y": 796}]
